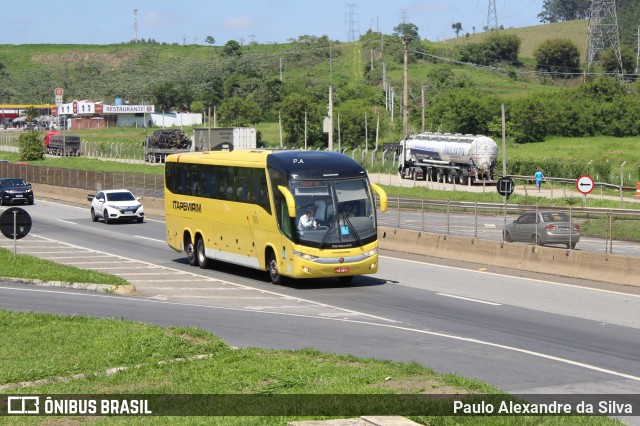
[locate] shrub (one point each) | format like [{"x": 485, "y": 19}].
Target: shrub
[
  {"x": 558, "y": 56},
  {"x": 31, "y": 146}
]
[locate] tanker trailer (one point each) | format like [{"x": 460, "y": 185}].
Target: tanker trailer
[{"x": 445, "y": 157}]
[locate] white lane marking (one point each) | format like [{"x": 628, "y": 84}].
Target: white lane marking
[
  {"x": 372, "y": 324},
  {"x": 284, "y": 296},
  {"x": 67, "y": 221},
  {"x": 151, "y": 239},
  {"x": 469, "y": 299},
  {"x": 512, "y": 277}
]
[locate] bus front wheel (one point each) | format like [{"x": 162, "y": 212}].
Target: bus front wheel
[
  {"x": 203, "y": 260},
  {"x": 272, "y": 265}
]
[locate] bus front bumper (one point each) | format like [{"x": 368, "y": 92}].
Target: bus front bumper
[{"x": 358, "y": 264}]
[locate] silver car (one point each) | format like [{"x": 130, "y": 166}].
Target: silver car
[{"x": 542, "y": 228}]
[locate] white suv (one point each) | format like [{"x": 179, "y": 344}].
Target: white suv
[{"x": 116, "y": 204}]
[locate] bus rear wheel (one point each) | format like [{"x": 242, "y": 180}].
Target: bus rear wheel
[
  {"x": 203, "y": 260},
  {"x": 272, "y": 266},
  {"x": 191, "y": 253}
]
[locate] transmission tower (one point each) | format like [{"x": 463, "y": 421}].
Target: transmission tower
[
  {"x": 603, "y": 31},
  {"x": 492, "y": 16},
  {"x": 351, "y": 20},
  {"x": 135, "y": 25}
]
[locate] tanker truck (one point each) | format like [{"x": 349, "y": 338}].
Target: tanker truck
[{"x": 445, "y": 157}]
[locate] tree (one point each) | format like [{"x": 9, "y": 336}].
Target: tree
[
  {"x": 558, "y": 56},
  {"x": 210, "y": 40},
  {"x": 504, "y": 46},
  {"x": 293, "y": 108},
  {"x": 564, "y": 10},
  {"x": 406, "y": 30},
  {"x": 31, "y": 146},
  {"x": 32, "y": 115},
  {"x": 239, "y": 112},
  {"x": 457, "y": 27},
  {"x": 166, "y": 95},
  {"x": 231, "y": 48},
  {"x": 609, "y": 60}
]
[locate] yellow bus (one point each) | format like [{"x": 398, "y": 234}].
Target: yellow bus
[{"x": 246, "y": 207}]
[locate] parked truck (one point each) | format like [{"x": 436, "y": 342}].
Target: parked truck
[
  {"x": 224, "y": 138},
  {"x": 62, "y": 144},
  {"x": 444, "y": 157},
  {"x": 165, "y": 142}
]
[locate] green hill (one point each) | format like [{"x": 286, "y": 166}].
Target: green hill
[{"x": 533, "y": 36}]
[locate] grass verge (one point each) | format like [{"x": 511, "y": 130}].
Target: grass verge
[
  {"x": 30, "y": 267},
  {"x": 46, "y": 346}
]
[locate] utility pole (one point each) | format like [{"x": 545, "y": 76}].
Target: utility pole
[
  {"x": 330, "y": 139},
  {"x": 405, "y": 94},
  {"x": 423, "y": 87},
  {"x": 638, "y": 54}
]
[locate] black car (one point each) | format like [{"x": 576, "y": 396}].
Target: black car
[{"x": 15, "y": 190}]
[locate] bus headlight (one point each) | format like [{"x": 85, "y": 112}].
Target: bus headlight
[
  {"x": 371, "y": 253},
  {"x": 304, "y": 256}
]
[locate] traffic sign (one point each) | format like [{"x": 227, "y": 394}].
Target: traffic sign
[
  {"x": 505, "y": 186},
  {"x": 585, "y": 184},
  {"x": 15, "y": 223}
]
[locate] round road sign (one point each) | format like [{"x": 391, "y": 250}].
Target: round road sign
[
  {"x": 505, "y": 186},
  {"x": 15, "y": 220},
  {"x": 585, "y": 184}
]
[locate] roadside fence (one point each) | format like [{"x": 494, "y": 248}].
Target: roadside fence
[{"x": 611, "y": 231}]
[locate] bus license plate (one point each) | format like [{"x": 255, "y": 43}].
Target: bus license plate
[{"x": 341, "y": 269}]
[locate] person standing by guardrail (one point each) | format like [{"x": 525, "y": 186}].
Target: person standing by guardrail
[{"x": 539, "y": 176}]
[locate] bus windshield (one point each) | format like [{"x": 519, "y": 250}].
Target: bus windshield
[{"x": 334, "y": 214}]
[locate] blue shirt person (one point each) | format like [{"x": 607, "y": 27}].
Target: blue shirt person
[{"x": 539, "y": 176}]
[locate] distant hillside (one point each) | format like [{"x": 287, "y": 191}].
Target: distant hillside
[{"x": 532, "y": 37}]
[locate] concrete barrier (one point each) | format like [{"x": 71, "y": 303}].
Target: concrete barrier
[
  {"x": 152, "y": 206},
  {"x": 549, "y": 260}
]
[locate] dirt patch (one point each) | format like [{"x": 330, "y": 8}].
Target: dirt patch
[
  {"x": 419, "y": 384},
  {"x": 110, "y": 60}
]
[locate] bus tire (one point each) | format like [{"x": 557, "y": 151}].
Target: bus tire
[
  {"x": 272, "y": 267},
  {"x": 203, "y": 260},
  {"x": 191, "y": 252}
]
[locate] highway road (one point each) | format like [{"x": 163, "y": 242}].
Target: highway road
[{"x": 523, "y": 333}]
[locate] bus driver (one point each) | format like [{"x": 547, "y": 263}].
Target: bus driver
[{"x": 307, "y": 220}]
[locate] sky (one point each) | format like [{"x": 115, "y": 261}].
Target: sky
[{"x": 260, "y": 21}]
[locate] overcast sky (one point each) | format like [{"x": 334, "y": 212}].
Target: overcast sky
[{"x": 262, "y": 21}]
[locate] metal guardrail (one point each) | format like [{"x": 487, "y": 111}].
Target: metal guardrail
[
  {"x": 565, "y": 181},
  {"x": 612, "y": 231}
]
